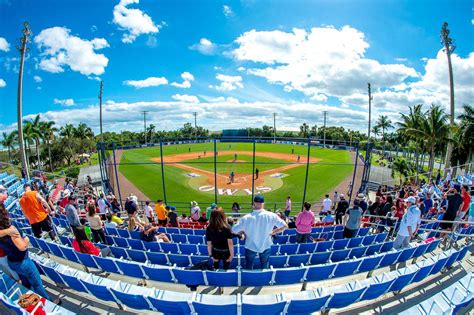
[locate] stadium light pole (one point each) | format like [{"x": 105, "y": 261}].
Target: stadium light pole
[
  {"x": 22, "y": 49},
  {"x": 195, "y": 125},
  {"x": 144, "y": 112},
  {"x": 274, "y": 127},
  {"x": 100, "y": 111},
  {"x": 449, "y": 48}
]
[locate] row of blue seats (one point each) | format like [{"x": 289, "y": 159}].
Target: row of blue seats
[
  {"x": 276, "y": 261},
  {"x": 449, "y": 301},
  {"x": 10, "y": 292},
  {"x": 304, "y": 302},
  {"x": 276, "y": 249},
  {"x": 238, "y": 277}
]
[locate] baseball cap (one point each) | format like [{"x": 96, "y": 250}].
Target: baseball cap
[
  {"x": 457, "y": 187},
  {"x": 213, "y": 205},
  {"x": 259, "y": 198},
  {"x": 411, "y": 200},
  {"x": 341, "y": 195},
  {"x": 172, "y": 208},
  {"x": 361, "y": 196}
]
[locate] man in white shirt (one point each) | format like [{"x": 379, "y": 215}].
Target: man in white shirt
[
  {"x": 336, "y": 199},
  {"x": 259, "y": 227},
  {"x": 102, "y": 206},
  {"x": 326, "y": 207},
  {"x": 149, "y": 212},
  {"x": 409, "y": 224},
  {"x": 288, "y": 207}
]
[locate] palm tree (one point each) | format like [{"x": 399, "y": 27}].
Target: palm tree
[
  {"x": 410, "y": 121},
  {"x": 467, "y": 128},
  {"x": 384, "y": 123},
  {"x": 402, "y": 167},
  {"x": 304, "y": 128},
  {"x": 150, "y": 131},
  {"x": 376, "y": 131},
  {"x": 83, "y": 133},
  {"x": 28, "y": 138},
  {"x": 35, "y": 134},
  {"x": 433, "y": 129},
  {"x": 68, "y": 132},
  {"x": 9, "y": 142},
  {"x": 47, "y": 132}
]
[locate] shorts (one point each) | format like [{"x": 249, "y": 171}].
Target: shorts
[
  {"x": 43, "y": 226},
  {"x": 162, "y": 222},
  {"x": 348, "y": 233},
  {"x": 150, "y": 219}
]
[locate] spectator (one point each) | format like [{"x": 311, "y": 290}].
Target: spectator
[
  {"x": 384, "y": 212},
  {"x": 36, "y": 210},
  {"x": 134, "y": 223},
  {"x": 195, "y": 211},
  {"x": 335, "y": 199},
  {"x": 455, "y": 204},
  {"x": 329, "y": 218},
  {"x": 150, "y": 234},
  {"x": 116, "y": 207},
  {"x": 471, "y": 208},
  {"x": 374, "y": 208},
  {"x": 161, "y": 212},
  {"x": 428, "y": 203},
  {"x": 304, "y": 222},
  {"x": 219, "y": 240},
  {"x": 173, "y": 217},
  {"x": 83, "y": 245},
  {"x": 400, "y": 209},
  {"x": 326, "y": 207},
  {"x": 202, "y": 218},
  {"x": 466, "y": 203},
  {"x": 110, "y": 223},
  {"x": 352, "y": 219},
  {"x": 288, "y": 206},
  {"x": 209, "y": 210},
  {"x": 149, "y": 212},
  {"x": 130, "y": 206},
  {"x": 95, "y": 224},
  {"x": 15, "y": 246},
  {"x": 341, "y": 208},
  {"x": 441, "y": 213},
  {"x": 408, "y": 225},
  {"x": 258, "y": 227},
  {"x": 115, "y": 218},
  {"x": 71, "y": 212},
  {"x": 183, "y": 219},
  {"x": 362, "y": 203},
  {"x": 236, "y": 208},
  {"x": 103, "y": 205}
]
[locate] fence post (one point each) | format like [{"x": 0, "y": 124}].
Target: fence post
[
  {"x": 215, "y": 170},
  {"x": 253, "y": 171},
  {"x": 116, "y": 174},
  {"x": 307, "y": 170},
  {"x": 162, "y": 170}
]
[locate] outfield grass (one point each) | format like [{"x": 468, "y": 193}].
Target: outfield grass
[
  {"x": 333, "y": 167},
  {"x": 225, "y": 163}
]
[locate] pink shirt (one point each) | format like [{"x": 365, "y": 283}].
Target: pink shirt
[{"x": 304, "y": 222}]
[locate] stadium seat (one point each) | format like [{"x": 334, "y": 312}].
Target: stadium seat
[
  {"x": 251, "y": 278},
  {"x": 169, "y": 302},
  {"x": 266, "y": 304},
  {"x": 135, "y": 297}
]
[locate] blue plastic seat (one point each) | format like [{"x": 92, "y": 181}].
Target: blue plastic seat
[
  {"x": 111, "y": 231},
  {"x": 320, "y": 258},
  {"x": 346, "y": 268},
  {"x": 357, "y": 252},
  {"x": 363, "y": 232},
  {"x": 390, "y": 259},
  {"x": 281, "y": 239},
  {"x": 74, "y": 282},
  {"x": 215, "y": 305},
  {"x": 188, "y": 249},
  {"x": 423, "y": 272},
  {"x": 169, "y": 247},
  {"x": 199, "y": 232},
  {"x": 406, "y": 254},
  {"x": 119, "y": 252},
  {"x": 189, "y": 277},
  {"x": 306, "y": 248},
  {"x": 158, "y": 274},
  {"x": 403, "y": 279},
  {"x": 106, "y": 264},
  {"x": 123, "y": 233},
  {"x": 121, "y": 242},
  {"x": 55, "y": 250},
  {"x": 137, "y": 255},
  {"x": 70, "y": 254},
  {"x": 289, "y": 276},
  {"x": 323, "y": 246},
  {"x": 87, "y": 260},
  {"x": 130, "y": 269},
  {"x": 288, "y": 249},
  {"x": 376, "y": 290},
  {"x": 386, "y": 246},
  {"x": 256, "y": 278},
  {"x": 369, "y": 239},
  {"x": 134, "y": 299},
  {"x": 452, "y": 259},
  {"x": 262, "y": 304},
  {"x": 298, "y": 260},
  {"x": 136, "y": 244},
  {"x": 439, "y": 265},
  {"x": 339, "y": 255},
  {"x": 340, "y": 244},
  {"x": 157, "y": 258},
  {"x": 53, "y": 274},
  {"x": 202, "y": 249},
  {"x": 171, "y": 303},
  {"x": 196, "y": 239},
  {"x": 306, "y": 302},
  {"x": 135, "y": 235},
  {"x": 343, "y": 299},
  {"x": 278, "y": 261},
  {"x": 381, "y": 237},
  {"x": 320, "y": 272},
  {"x": 373, "y": 249},
  {"x": 179, "y": 260},
  {"x": 222, "y": 278},
  {"x": 370, "y": 263},
  {"x": 420, "y": 250},
  {"x": 99, "y": 291},
  {"x": 152, "y": 246},
  {"x": 355, "y": 242},
  {"x": 179, "y": 238}
]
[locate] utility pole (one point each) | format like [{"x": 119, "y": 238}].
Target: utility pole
[
  {"x": 100, "y": 111},
  {"x": 144, "y": 112},
  {"x": 195, "y": 125},
  {"x": 325, "y": 113},
  {"x": 370, "y": 112},
  {"x": 449, "y": 49},
  {"x": 274, "y": 127},
  {"x": 22, "y": 49}
]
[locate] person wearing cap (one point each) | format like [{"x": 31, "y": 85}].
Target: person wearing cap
[
  {"x": 341, "y": 208},
  {"x": 195, "y": 211},
  {"x": 209, "y": 210},
  {"x": 161, "y": 213},
  {"x": 352, "y": 220},
  {"x": 173, "y": 217},
  {"x": 71, "y": 212},
  {"x": 150, "y": 234},
  {"x": 362, "y": 202},
  {"x": 455, "y": 204},
  {"x": 259, "y": 227},
  {"x": 409, "y": 224},
  {"x": 36, "y": 210},
  {"x": 326, "y": 207}
]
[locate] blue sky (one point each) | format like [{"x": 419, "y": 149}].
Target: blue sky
[{"x": 234, "y": 62}]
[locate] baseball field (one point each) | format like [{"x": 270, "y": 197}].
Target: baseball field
[{"x": 189, "y": 172}]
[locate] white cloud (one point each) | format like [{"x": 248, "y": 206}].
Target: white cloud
[
  {"x": 59, "y": 49},
  {"x": 472, "y": 21},
  {"x": 37, "y": 79},
  {"x": 3, "y": 83},
  {"x": 227, "y": 10},
  {"x": 65, "y": 102},
  {"x": 4, "y": 45},
  {"x": 187, "y": 78},
  {"x": 148, "y": 82},
  {"x": 186, "y": 98},
  {"x": 134, "y": 21},
  {"x": 323, "y": 60},
  {"x": 205, "y": 47},
  {"x": 399, "y": 59},
  {"x": 228, "y": 82}
]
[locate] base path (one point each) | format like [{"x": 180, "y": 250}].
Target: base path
[{"x": 241, "y": 181}]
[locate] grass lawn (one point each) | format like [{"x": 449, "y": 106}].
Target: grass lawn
[
  {"x": 225, "y": 163},
  {"x": 333, "y": 167}
]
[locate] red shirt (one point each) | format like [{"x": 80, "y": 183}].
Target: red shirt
[
  {"x": 88, "y": 247},
  {"x": 2, "y": 253},
  {"x": 63, "y": 202},
  {"x": 467, "y": 200}
]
